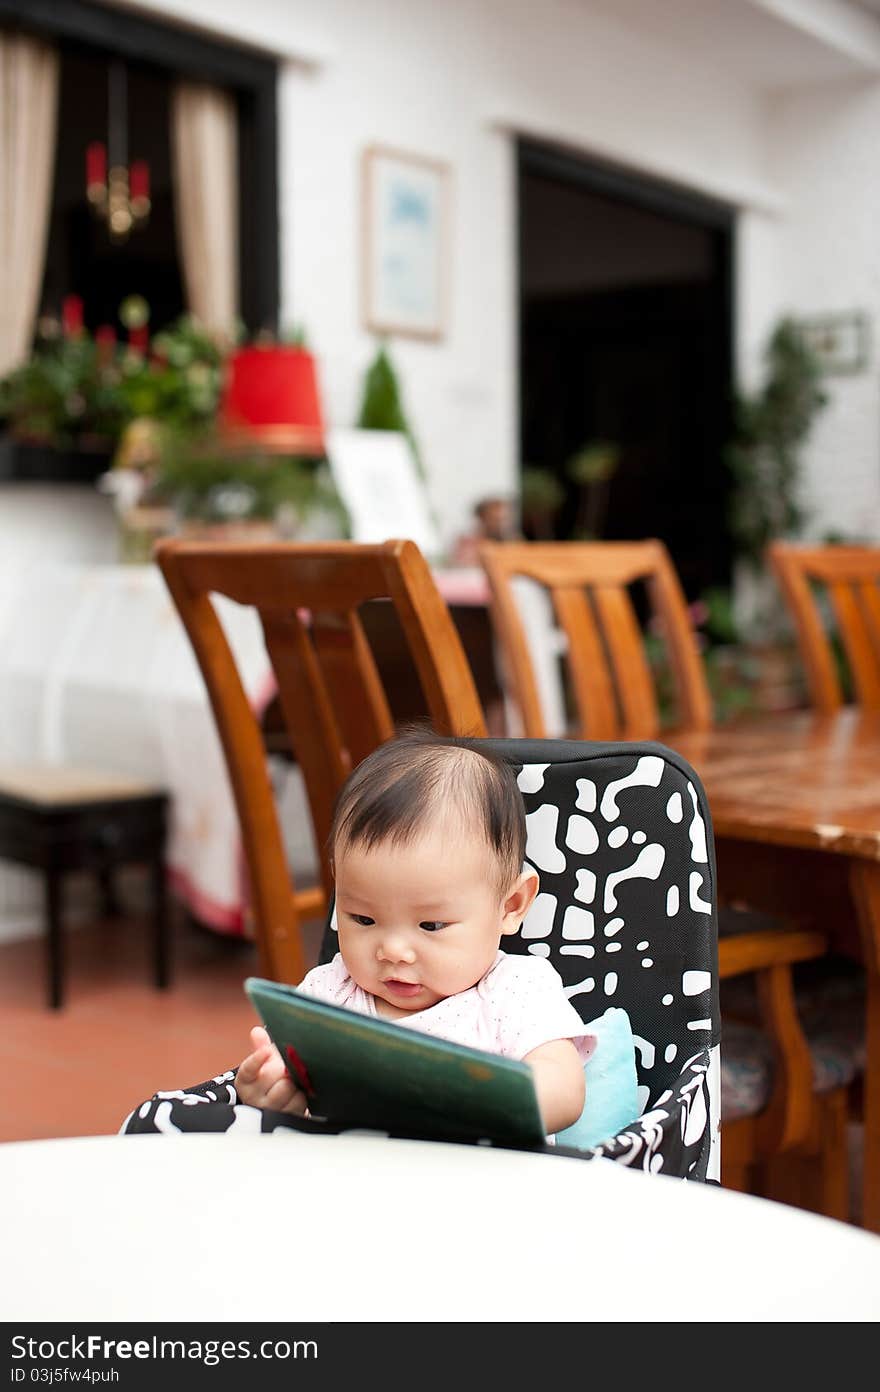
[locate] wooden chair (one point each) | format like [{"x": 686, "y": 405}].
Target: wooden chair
[
  {"x": 330, "y": 691},
  {"x": 835, "y": 591},
  {"x": 847, "y": 580},
  {"x": 784, "y": 1092},
  {"x": 611, "y": 681}
]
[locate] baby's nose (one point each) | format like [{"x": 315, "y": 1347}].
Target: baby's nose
[{"x": 396, "y": 947}]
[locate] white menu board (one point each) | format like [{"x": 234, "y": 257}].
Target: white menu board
[{"x": 376, "y": 476}]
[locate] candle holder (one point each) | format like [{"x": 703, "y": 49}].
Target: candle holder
[{"x": 122, "y": 198}]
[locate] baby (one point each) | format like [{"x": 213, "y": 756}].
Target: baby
[{"x": 428, "y": 843}]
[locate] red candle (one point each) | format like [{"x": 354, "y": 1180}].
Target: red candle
[
  {"x": 105, "y": 339},
  {"x": 72, "y": 315},
  {"x": 139, "y": 179},
  {"x": 139, "y": 338},
  {"x": 96, "y": 163}
]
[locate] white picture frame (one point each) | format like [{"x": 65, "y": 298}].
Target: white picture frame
[
  {"x": 839, "y": 341},
  {"x": 405, "y": 243}
]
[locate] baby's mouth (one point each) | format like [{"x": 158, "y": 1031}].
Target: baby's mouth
[{"x": 402, "y": 988}]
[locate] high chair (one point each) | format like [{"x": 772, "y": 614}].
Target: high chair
[{"x": 621, "y": 837}]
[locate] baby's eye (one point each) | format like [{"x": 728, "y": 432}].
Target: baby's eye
[
  {"x": 363, "y": 920},
  {"x": 432, "y": 925}
]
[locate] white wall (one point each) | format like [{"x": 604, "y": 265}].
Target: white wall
[
  {"x": 825, "y": 151},
  {"x": 449, "y": 81},
  {"x": 453, "y": 81}
]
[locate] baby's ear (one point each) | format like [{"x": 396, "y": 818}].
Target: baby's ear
[{"x": 519, "y": 900}]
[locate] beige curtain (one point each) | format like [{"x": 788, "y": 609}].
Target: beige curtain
[
  {"x": 204, "y": 142},
  {"x": 28, "y": 104}
]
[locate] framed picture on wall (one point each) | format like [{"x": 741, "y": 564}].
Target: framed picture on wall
[
  {"x": 840, "y": 341},
  {"x": 406, "y": 252}
]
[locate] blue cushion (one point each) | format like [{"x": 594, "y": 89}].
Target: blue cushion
[{"x": 612, "y": 1101}]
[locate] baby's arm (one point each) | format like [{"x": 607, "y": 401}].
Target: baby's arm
[
  {"x": 263, "y": 1081},
  {"x": 559, "y": 1083}
]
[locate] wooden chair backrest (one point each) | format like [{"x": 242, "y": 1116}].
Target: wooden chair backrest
[
  {"x": 849, "y": 576},
  {"x": 330, "y": 692},
  {"x": 611, "y": 682}
]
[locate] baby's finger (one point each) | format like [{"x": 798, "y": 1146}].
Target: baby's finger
[
  {"x": 278, "y": 1092},
  {"x": 249, "y": 1067},
  {"x": 284, "y": 1097},
  {"x": 271, "y": 1071},
  {"x": 259, "y": 1037}
]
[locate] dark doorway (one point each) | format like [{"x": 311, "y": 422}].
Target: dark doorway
[{"x": 625, "y": 340}]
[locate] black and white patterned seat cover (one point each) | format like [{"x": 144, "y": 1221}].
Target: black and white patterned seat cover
[{"x": 621, "y": 837}]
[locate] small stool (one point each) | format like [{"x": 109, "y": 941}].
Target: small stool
[{"x": 61, "y": 819}]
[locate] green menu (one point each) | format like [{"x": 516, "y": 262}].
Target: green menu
[{"x": 362, "y": 1071}]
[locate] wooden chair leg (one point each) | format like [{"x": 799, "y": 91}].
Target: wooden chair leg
[
  {"x": 833, "y": 1175},
  {"x": 54, "y": 938},
  {"x": 815, "y": 1177},
  {"x": 161, "y": 925},
  {"x": 787, "y": 1179},
  {"x": 110, "y": 905},
  {"x": 737, "y": 1152},
  {"x": 738, "y": 1177}
]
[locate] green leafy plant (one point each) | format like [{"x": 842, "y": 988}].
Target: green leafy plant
[
  {"x": 295, "y": 337},
  {"x": 178, "y": 382},
  {"x": 731, "y": 669},
  {"x": 201, "y": 479},
  {"x": 382, "y": 403},
  {"x": 66, "y": 394},
  {"x": 591, "y": 470},
  {"x": 156, "y": 410},
  {"x": 541, "y": 496},
  {"x": 764, "y": 455},
  {"x": 74, "y": 390}
]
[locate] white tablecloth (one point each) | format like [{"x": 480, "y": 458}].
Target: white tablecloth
[
  {"x": 96, "y": 668},
  {"x": 357, "y": 1227}
]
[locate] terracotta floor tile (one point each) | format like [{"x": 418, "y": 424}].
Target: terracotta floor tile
[{"x": 80, "y": 1070}]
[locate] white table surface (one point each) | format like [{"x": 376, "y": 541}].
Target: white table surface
[{"x": 357, "y": 1227}]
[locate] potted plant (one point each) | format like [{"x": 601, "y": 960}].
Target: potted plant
[
  {"x": 591, "y": 470},
  {"x": 382, "y": 403},
  {"x": 61, "y": 409},
  {"x": 764, "y": 456},
  {"x": 67, "y": 408},
  {"x": 541, "y": 496},
  {"x": 770, "y": 430},
  {"x": 210, "y": 485}
]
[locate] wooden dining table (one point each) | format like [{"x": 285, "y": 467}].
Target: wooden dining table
[{"x": 795, "y": 804}]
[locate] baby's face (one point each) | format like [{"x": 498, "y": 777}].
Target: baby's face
[{"x": 423, "y": 921}]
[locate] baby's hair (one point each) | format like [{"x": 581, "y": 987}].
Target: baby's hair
[{"x": 420, "y": 778}]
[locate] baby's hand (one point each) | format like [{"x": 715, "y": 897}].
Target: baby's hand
[{"x": 263, "y": 1081}]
